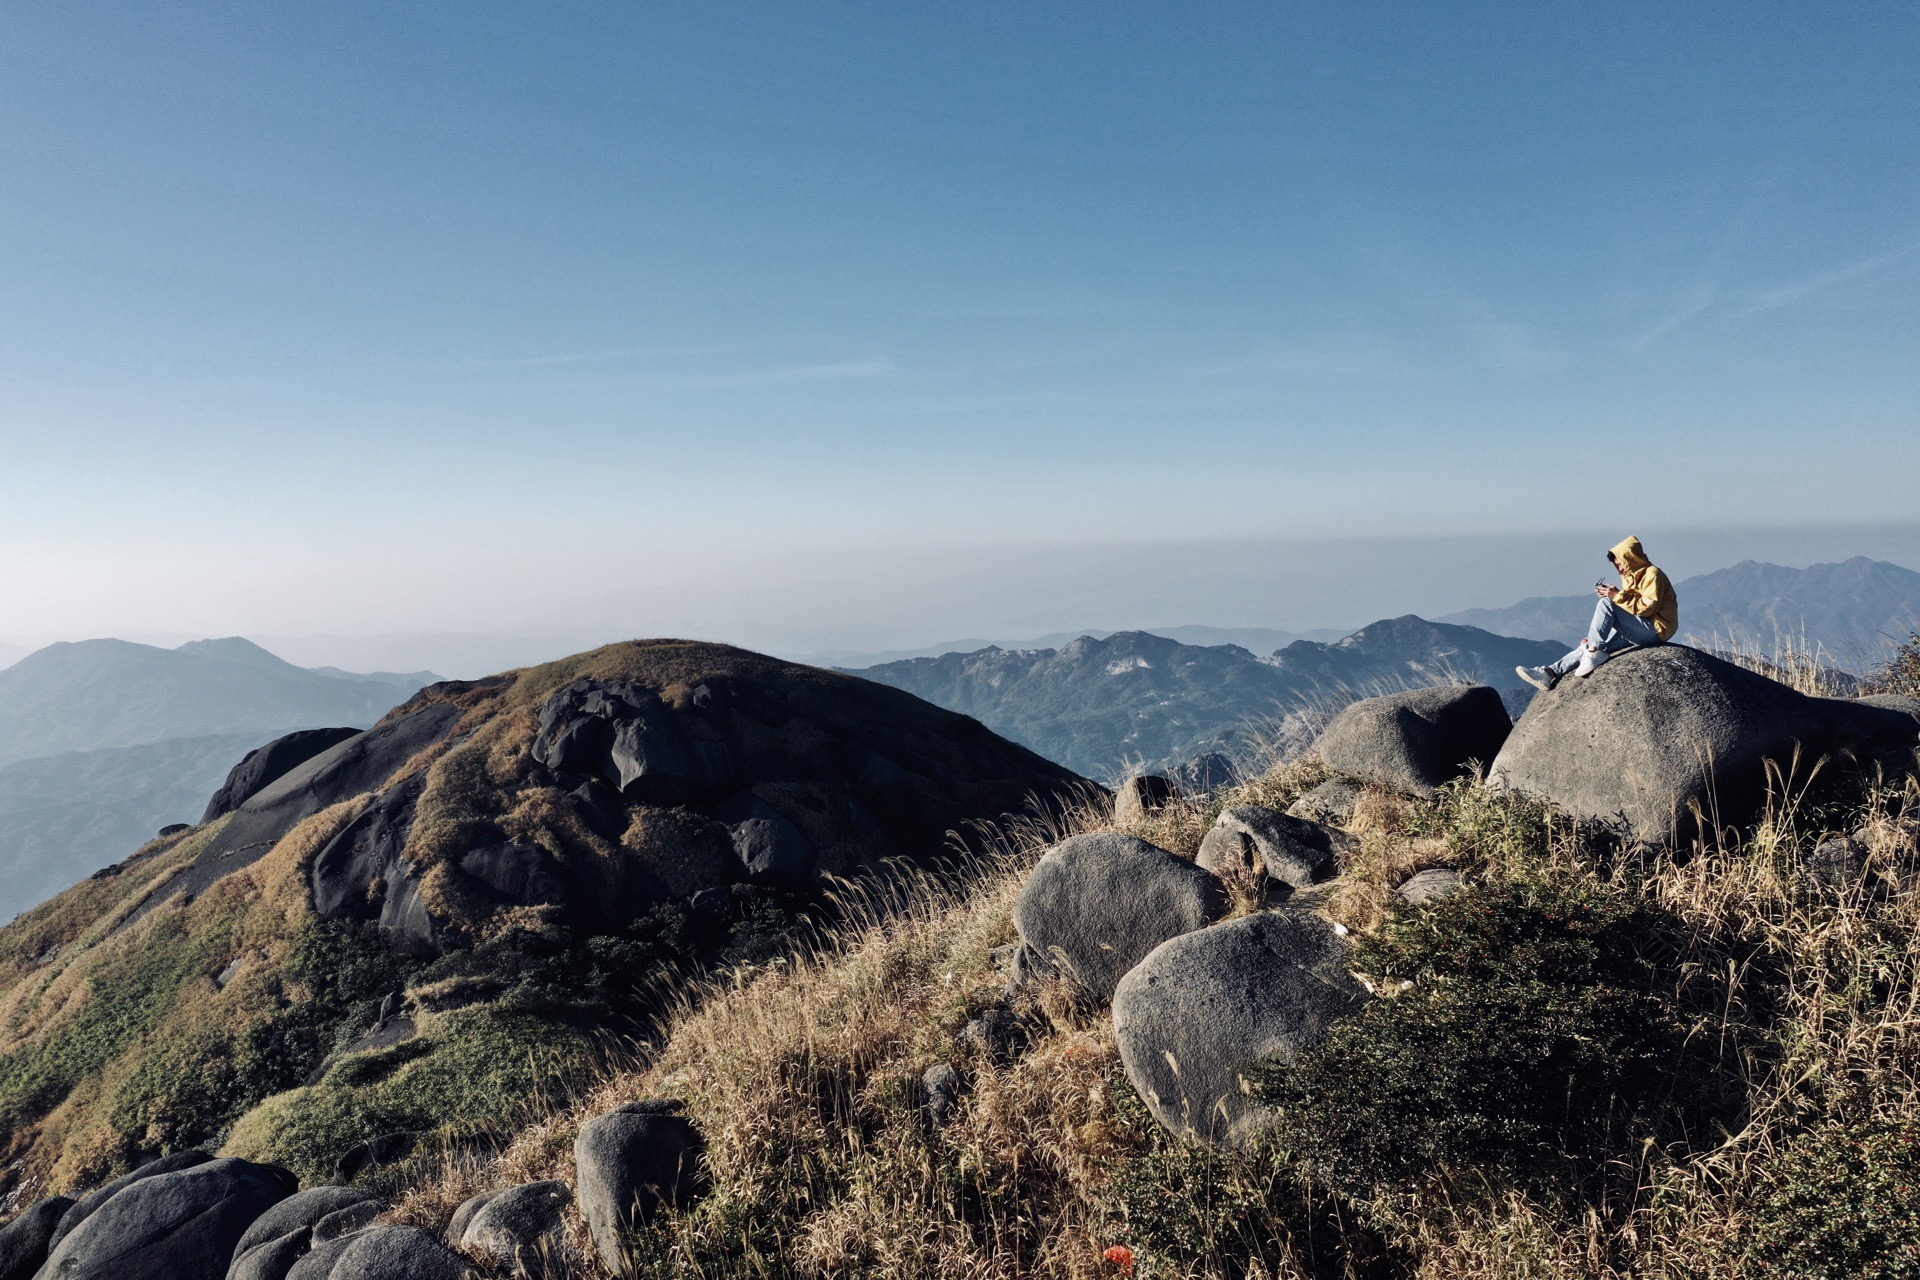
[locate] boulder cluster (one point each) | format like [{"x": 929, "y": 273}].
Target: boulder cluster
[
  {"x": 190, "y": 1216},
  {"x": 1659, "y": 745}
]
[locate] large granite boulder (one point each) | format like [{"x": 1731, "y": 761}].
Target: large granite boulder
[
  {"x": 396, "y": 1253},
  {"x": 1193, "y": 1015},
  {"x": 265, "y": 765},
  {"x": 1095, "y": 904},
  {"x": 1418, "y": 740},
  {"x": 300, "y": 1211},
  {"x": 629, "y": 1164},
  {"x": 25, "y": 1240},
  {"x": 1258, "y": 844},
  {"x": 1664, "y": 743},
  {"x": 625, "y": 735},
  {"x": 84, "y": 1208},
  {"x": 519, "y": 1227},
  {"x": 173, "y": 1226},
  {"x": 365, "y": 762}
]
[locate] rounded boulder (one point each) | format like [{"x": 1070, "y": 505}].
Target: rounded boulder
[
  {"x": 628, "y": 1165},
  {"x": 1096, "y": 904},
  {"x": 1419, "y": 740},
  {"x": 1665, "y": 743},
  {"x": 174, "y": 1226},
  {"x": 1197, "y": 1012}
]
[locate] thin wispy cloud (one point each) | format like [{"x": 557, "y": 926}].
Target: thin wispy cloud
[{"x": 1864, "y": 268}]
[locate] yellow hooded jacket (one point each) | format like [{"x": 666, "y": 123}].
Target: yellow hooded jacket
[{"x": 1644, "y": 590}]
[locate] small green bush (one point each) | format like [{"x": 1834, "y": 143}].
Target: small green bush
[
  {"x": 1498, "y": 829},
  {"x": 1529, "y": 1048},
  {"x": 1844, "y": 1204}
]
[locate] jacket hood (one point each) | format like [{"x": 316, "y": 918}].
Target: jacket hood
[{"x": 1630, "y": 555}]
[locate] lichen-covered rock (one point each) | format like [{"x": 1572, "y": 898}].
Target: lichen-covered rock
[
  {"x": 181, "y": 1225},
  {"x": 1662, "y": 743},
  {"x": 1095, "y": 904},
  {"x": 1418, "y": 740},
  {"x": 1200, "y": 1009},
  {"x": 520, "y": 1226},
  {"x": 628, "y": 1164},
  {"x": 1254, "y": 843}
]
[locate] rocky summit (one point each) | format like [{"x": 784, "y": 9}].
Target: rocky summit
[{"x": 375, "y": 930}]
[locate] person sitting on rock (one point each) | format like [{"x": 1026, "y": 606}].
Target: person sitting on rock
[{"x": 1639, "y": 613}]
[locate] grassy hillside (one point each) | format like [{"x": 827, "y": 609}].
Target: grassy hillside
[
  {"x": 237, "y": 1014},
  {"x": 1757, "y": 1028}
]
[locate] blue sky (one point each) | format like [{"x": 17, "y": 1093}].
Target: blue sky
[{"x": 356, "y": 318}]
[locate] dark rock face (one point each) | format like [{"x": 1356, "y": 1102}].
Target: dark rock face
[
  {"x": 1142, "y": 796},
  {"x": 1419, "y": 740},
  {"x": 623, "y": 734},
  {"x": 301, "y": 1210},
  {"x": 361, "y": 874},
  {"x": 519, "y": 1227},
  {"x": 1256, "y": 843},
  {"x": 771, "y": 849},
  {"x": 360, "y": 764},
  {"x": 174, "y": 1226},
  {"x": 1200, "y": 1008},
  {"x": 629, "y": 1163},
  {"x": 100, "y": 1195},
  {"x": 396, "y": 1253},
  {"x": 24, "y": 1241},
  {"x": 1659, "y": 741},
  {"x": 385, "y": 1149},
  {"x": 1095, "y": 904},
  {"x": 274, "y": 1259},
  {"x": 266, "y": 765}
]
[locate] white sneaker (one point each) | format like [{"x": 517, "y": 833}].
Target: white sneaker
[
  {"x": 1590, "y": 658},
  {"x": 1539, "y": 677}
]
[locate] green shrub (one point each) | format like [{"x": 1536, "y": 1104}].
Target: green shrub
[
  {"x": 1844, "y": 1204},
  {"x": 1529, "y": 1048},
  {"x": 1501, "y": 829},
  {"x": 1187, "y": 1208}
]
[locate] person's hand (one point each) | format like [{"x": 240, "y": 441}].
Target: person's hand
[{"x": 1606, "y": 591}]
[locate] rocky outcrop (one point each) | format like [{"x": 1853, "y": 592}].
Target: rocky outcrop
[
  {"x": 623, "y": 734},
  {"x": 1095, "y": 904},
  {"x": 519, "y": 1227},
  {"x": 181, "y": 1225},
  {"x": 88, "y": 1203},
  {"x": 1331, "y": 802},
  {"x": 1201, "y": 1008},
  {"x": 300, "y": 1211},
  {"x": 24, "y": 1241},
  {"x": 265, "y": 765},
  {"x": 1419, "y": 740},
  {"x": 1263, "y": 846},
  {"x": 1141, "y": 797},
  {"x": 1665, "y": 743},
  {"x": 394, "y": 1253},
  {"x": 629, "y": 1164}
]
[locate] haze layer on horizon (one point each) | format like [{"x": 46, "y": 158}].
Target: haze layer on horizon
[{"x": 870, "y": 326}]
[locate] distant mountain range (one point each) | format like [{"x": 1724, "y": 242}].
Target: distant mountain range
[
  {"x": 1103, "y": 705},
  {"x": 1258, "y": 639},
  {"x": 104, "y": 741},
  {"x": 1855, "y": 611}
]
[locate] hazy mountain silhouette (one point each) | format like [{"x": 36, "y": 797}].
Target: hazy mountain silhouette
[
  {"x": 1100, "y": 705},
  {"x": 1856, "y": 610}
]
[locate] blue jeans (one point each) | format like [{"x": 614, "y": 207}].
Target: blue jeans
[{"x": 1612, "y": 630}]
